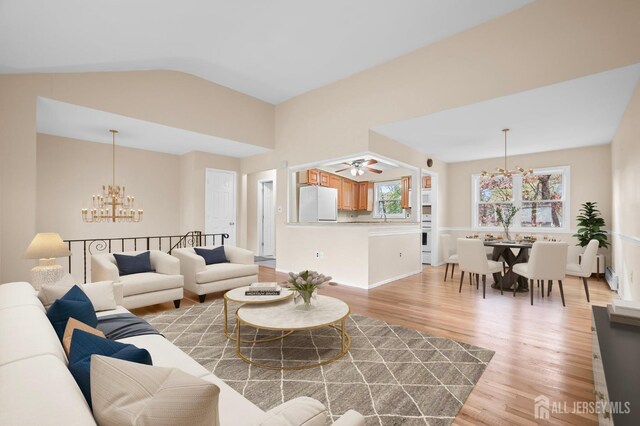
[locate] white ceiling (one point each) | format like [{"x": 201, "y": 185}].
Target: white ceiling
[
  {"x": 77, "y": 122},
  {"x": 575, "y": 113},
  {"x": 272, "y": 50}
]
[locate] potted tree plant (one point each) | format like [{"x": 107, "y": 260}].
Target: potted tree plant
[{"x": 590, "y": 224}]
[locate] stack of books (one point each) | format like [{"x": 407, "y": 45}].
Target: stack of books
[
  {"x": 263, "y": 289},
  {"x": 624, "y": 312}
]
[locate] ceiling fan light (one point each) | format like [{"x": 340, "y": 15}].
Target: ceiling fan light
[
  {"x": 360, "y": 172},
  {"x": 354, "y": 171}
]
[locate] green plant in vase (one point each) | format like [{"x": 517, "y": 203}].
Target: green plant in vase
[
  {"x": 305, "y": 285},
  {"x": 590, "y": 224},
  {"x": 505, "y": 218}
]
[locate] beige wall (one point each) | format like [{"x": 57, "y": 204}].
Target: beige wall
[
  {"x": 625, "y": 156},
  {"x": 252, "y": 189},
  {"x": 590, "y": 180},
  {"x": 165, "y": 97},
  {"x": 507, "y": 55},
  {"x": 193, "y": 167},
  {"x": 70, "y": 171},
  {"x": 393, "y": 256}
]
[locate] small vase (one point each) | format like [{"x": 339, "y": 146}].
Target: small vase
[
  {"x": 306, "y": 297},
  {"x": 506, "y": 233}
]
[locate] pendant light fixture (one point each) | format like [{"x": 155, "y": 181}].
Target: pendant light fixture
[
  {"x": 113, "y": 205},
  {"x": 505, "y": 171}
]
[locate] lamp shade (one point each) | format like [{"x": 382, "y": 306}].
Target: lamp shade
[{"x": 46, "y": 245}]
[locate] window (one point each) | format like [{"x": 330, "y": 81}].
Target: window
[
  {"x": 541, "y": 197},
  {"x": 387, "y": 199}
]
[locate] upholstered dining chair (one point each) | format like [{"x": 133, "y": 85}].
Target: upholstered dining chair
[
  {"x": 547, "y": 262},
  {"x": 472, "y": 259},
  {"x": 449, "y": 252},
  {"x": 584, "y": 268}
]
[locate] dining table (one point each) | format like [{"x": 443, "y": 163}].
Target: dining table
[{"x": 504, "y": 251}]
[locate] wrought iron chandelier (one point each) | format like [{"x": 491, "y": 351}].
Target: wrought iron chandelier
[
  {"x": 113, "y": 205},
  {"x": 505, "y": 171}
]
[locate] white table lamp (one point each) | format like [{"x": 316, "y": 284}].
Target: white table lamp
[{"x": 46, "y": 246}]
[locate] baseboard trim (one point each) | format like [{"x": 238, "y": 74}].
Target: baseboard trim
[{"x": 396, "y": 278}]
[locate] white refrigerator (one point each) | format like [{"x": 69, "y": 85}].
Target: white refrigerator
[{"x": 318, "y": 204}]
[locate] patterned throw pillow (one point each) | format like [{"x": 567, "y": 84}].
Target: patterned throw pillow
[{"x": 84, "y": 345}]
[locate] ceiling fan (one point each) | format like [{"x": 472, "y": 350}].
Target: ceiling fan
[{"x": 358, "y": 167}]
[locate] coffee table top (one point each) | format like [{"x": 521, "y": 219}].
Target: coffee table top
[
  {"x": 286, "y": 315},
  {"x": 237, "y": 295}
]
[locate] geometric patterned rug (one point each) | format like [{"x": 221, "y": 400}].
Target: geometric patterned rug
[{"x": 392, "y": 375}]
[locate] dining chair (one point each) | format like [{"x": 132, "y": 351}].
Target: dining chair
[
  {"x": 547, "y": 262},
  {"x": 449, "y": 252},
  {"x": 584, "y": 268},
  {"x": 472, "y": 259}
]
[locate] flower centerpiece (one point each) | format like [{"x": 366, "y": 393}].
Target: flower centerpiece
[
  {"x": 505, "y": 218},
  {"x": 305, "y": 285}
]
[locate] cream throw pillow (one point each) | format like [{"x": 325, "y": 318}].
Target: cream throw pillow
[
  {"x": 100, "y": 293},
  {"x": 127, "y": 393},
  {"x": 72, "y": 324}
]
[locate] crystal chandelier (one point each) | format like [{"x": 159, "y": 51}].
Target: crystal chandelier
[
  {"x": 505, "y": 171},
  {"x": 113, "y": 205}
]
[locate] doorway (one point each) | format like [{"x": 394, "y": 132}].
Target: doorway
[
  {"x": 220, "y": 203},
  {"x": 266, "y": 219},
  {"x": 429, "y": 218}
]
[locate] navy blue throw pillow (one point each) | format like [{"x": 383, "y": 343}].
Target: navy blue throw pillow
[
  {"x": 212, "y": 256},
  {"x": 137, "y": 264},
  {"x": 84, "y": 344},
  {"x": 74, "y": 304}
]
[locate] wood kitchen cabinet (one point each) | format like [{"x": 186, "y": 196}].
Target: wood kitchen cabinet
[
  {"x": 405, "y": 186},
  {"x": 336, "y": 182},
  {"x": 426, "y": 182},
  {"x": 348, "y": 194},
  {"x": 323, "y": 178},
  {"x": 309, "y": 177},
  {"x": 365, "y": 196}
]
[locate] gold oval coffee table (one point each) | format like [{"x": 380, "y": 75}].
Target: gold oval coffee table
[
  {"x": 287, "y": 317},
  {"x": 237, "y": 295}
]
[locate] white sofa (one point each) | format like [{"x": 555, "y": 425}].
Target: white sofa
[
  {"x": 203, "y": 279},
  {"x": 36, "y": 387},
  {"x": 145, "y": 289}
]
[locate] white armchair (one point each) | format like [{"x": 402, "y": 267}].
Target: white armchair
[
  {"x": 449, "y": 251},
  {"x": 583, "y": 269},
  {"x": 473, "y": 259},
  {"x": 144, "y": 289},
  {"x": 202, "y": 279},
  {"x": 548, "y": 261}
]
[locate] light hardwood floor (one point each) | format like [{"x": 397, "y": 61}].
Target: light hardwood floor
[{"x": 540, "y": 349}]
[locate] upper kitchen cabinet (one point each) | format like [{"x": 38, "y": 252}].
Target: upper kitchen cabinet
[
  {"x": 336, "y": 182},
  {"x": 323, "y": 178},
  {"x": 365, "y": 196},
  {"x": 405, "y": 198},
  {"x": 426, "y": 182},
  {"x": 347, "y": 194},
  {"x": 309, "y": 177}
]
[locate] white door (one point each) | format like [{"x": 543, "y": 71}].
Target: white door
[
  {"x": 220, "y": 204},
  {"x": 267, "y": 221}
]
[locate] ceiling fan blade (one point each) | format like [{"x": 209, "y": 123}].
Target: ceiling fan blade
[
  {"x": 369, "y": 169},
  {"x": 342, "y": 170},
  {"x": 370, "y": 162},
  {"x": 347, "y": 164}
]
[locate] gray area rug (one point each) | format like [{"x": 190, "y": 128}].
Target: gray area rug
[{"x": 392, "y": 375}]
